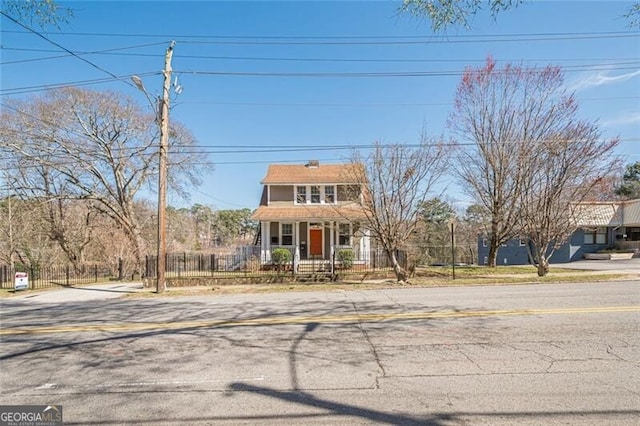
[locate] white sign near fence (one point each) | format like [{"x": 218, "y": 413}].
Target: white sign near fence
[{"x": 21, "y": 281}]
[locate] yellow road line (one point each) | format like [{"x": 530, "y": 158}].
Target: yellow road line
[{"x": 346, "y": 318}]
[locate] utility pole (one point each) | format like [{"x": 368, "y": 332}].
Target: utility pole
[{"x": 162, "y": 171}]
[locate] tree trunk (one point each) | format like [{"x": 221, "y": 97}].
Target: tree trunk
[
  {"x": 137, "y": 246},
  {"x": 543, "y": 266},
  {"x": 492, "y": 261},
  {"x": 401, "y": 274}
]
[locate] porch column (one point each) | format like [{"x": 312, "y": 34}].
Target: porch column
[
  {"x": 266, "y": 241},
  {"x": 331, "y": 239},
  {"x": 296, "y": 242},
  {"x": 365, "y": 246}
]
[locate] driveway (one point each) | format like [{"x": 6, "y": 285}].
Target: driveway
[
  {"x": 80, "y": 294},
  {"x": 624, "y": 266}
]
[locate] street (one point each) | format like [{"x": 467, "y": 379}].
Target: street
[{"x": 512, "y": 354}]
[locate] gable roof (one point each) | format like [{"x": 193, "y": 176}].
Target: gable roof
[{"x": 288, "y": 174}]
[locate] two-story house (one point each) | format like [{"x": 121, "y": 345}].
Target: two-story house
[{"x": 312, "y": 210}]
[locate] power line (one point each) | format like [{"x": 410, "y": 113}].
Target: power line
[
  {"x": 39, "y": 88},
  {"x": 412, "y": 38},
  {"x": 353, "y": 74},
  {"x": 64, "y": 48},
  {"x": 372, "y": 74},
  {"x": 413, "y": 42},
  {"x": 368, "y": 104},
  {"x": 112, "y": 52},
  {"x": 622, "y": 156},
  {"x": 96, "y": 52},
  {"x": 244, "y": 149}
]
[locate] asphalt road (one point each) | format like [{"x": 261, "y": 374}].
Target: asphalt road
[{"x": 529, "y": 354}]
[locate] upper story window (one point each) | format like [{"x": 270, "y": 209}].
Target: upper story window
[
  {"x": 329, "y": 195},
  {"x": 315, "y": 194},
  {"x": 301, "y": 194}
]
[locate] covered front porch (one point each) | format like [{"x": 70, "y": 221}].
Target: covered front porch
[{"x": 314, "y": 242}]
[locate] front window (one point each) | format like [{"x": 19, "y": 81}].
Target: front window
[
  {"x": 329, "y": 195},
  {"x": 287, "y": 234},
  {"x": 301, "y": 194},
  {"x": 595, "y": 236},
  {"x": 315, "y": 194},
  {"x": 344, "y": 234}
]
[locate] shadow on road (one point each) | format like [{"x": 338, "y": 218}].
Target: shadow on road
[{"x": 307, "y": 399}]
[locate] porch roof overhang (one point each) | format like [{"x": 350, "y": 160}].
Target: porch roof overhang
[{"x": 306, "y": 212}]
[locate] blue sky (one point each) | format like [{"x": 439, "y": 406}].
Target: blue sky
[{"x": 325, "y": 90}]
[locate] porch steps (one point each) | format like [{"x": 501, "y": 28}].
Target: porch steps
[{"x": 314, "y": 266}]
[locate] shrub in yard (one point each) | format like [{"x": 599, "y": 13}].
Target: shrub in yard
[
  {"x": 346, "y": 257},
  {"x": 280, "y": 256}
]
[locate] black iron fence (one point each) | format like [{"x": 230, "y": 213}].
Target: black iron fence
[
  {"x": 61, "y": 275},
  {"x": 250, "y": 261}
]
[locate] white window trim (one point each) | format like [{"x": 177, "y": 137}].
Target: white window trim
[
  {"x": 280, "y": 238},
  {"x": 295, "y": 193},
  {"x": 323, "y": 194},
  {"x": 349, "y": 233}
]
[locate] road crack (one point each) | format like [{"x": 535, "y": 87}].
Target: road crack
[{"x": 372, "y": 348}]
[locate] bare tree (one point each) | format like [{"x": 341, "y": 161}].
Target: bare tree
[
  {"x": 497, "y": 114},
  {"x": 71, "y": 224},
  {"x": 396, "y": 180},
  {"x": 446, "y": 13},
  {"x": 40, "y": 12},
  {"x": 567, "y": 168},
  {"x": 72, "y": 144},
  {"x": 525, "y": 155}
]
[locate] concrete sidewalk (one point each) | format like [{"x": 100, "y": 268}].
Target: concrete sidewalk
[{"x": 80, "y": 293}]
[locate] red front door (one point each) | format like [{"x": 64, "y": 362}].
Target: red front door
[{"x": 315, "y": 242}]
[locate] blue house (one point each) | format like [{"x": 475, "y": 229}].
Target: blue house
[{"x": 600, "y": 225}]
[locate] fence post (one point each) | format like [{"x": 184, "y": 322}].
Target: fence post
[
  {"x": 95, "y": 270},
  {"x": 67, "y": 275},
  {"x": 213, "y": 263}
]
